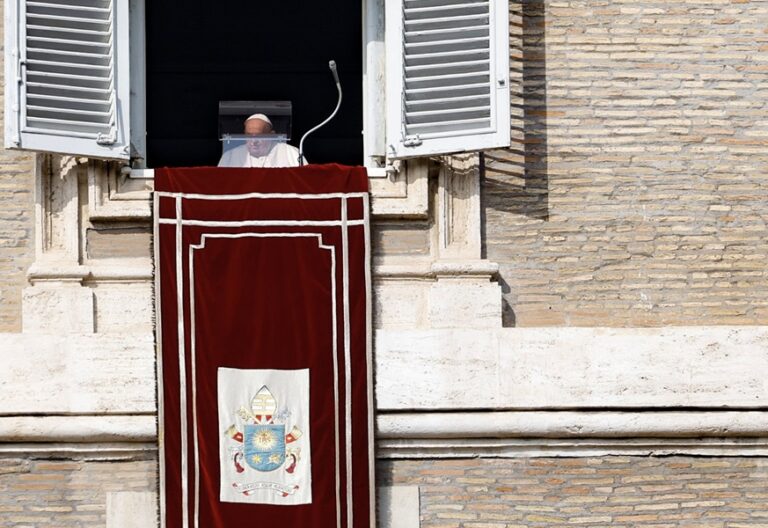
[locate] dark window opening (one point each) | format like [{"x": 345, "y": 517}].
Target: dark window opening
[{"x": 200, "y": 52}]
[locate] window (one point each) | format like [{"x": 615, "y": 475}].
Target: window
[
  {"x": 431, "y": 76},
  {"x": 198, "y": 55}
]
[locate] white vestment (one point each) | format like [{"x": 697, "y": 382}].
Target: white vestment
[{"x": 280, "y": 155}]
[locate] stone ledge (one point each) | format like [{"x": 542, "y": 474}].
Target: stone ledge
[
  {"x": 428, "y": 426},
  {"x": 426, "y": 370},
  {"x": 86, "y": 374},
  {"x": 435, "y": 435},
  {"x": 572, "y": 368},
  {"x": 75, "y": 429},
  {"x": 574, "y": 424}
]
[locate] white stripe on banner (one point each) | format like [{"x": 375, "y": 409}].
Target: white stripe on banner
[
  {"x": 182, "y": 369},
  {"x": 257, "y": 223},
  {"x": 193, "y": 354},
  {"x": 257, "y": 196},
  {"x": 347, "y": 356},
  {"x": 334, "y": 354}
]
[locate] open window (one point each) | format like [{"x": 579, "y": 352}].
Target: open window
[
  {"x": 421, "y": 77},
  {"x": 202, "y": 55}
]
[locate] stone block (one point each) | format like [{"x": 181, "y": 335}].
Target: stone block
[
  {"x": 464, "y": 303},
  {"x": 137, "y": 509},
  {"x": 58, "y": 308}
]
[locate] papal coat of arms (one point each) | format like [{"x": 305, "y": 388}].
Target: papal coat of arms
[{"x": 261, "y": 444}]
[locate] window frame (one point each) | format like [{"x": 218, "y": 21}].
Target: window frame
[{"x": 381, "y": 114}]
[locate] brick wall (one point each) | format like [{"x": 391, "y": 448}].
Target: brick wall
[
  {"x": 16, "y": 232},
  {"x": 16, "y": 229},
  {"x": 469, "y": 493},
  {"x": 636, "y": 193},
  {"x": 605, "y": 491},
  {"x": 66, "y": 493}
]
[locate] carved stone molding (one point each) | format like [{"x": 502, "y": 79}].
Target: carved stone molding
[
  {"x": 56, "y": 302},
  {"x": 458, "y": 208},
  {"x": 578, "y": 447},
  {"x": 404, "y": 193},
  {"x": 464, "y": 293},
  {"x": 78, "y": 197},
  {"x": 57, "y": 209},
  {"x": 574, "y": 433},
  {"x": 582, "y": 433},
  {"x": 114, "y": 195}
]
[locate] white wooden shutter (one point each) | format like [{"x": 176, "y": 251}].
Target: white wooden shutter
[
  {"x": 67, "y": 77},
  {"x": 447, "y": 76}
]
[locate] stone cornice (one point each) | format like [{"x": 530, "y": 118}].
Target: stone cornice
[{"x": 445, "y": 435}]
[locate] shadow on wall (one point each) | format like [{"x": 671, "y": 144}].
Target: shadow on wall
[{"x": 515, "y": 179}]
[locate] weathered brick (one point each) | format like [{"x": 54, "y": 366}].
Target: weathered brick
[
  {"x": 642, "y": 134},
  {"x": 560, "y": 501},
  {"x": 67, "y": 493}
]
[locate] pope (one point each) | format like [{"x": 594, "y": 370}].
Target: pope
[{"x": 262, "y": 150}]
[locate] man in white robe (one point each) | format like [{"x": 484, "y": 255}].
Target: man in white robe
[{"x": 262, "y": 152}]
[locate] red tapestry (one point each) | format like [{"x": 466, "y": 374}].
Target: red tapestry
[{"x": 264, "y": 363}]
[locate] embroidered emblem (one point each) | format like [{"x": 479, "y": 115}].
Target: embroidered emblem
[{"x": 263, "y": 445}]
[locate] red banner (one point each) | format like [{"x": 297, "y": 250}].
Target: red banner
[{"x": 264, "y": 363}]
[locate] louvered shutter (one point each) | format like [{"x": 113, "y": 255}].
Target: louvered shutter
[
  {"x": 67, "y": 77},
  {"x": 447, "y": 76}
]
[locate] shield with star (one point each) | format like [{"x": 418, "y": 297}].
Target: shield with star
[{"x": 264, "y": 446}]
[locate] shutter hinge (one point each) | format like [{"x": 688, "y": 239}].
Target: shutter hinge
[
  {"x": 412, "y": 141},
  {"x": 104, "y": 139},
  {"x": 20, "y": 71}
]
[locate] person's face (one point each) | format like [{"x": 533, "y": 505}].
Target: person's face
[{"x": 257, "y": 127}]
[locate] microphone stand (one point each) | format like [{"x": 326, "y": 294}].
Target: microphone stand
[{"x": 332, "y": 66}]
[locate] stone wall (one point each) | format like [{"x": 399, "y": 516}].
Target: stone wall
[
  {"x": 464, "y": 493},
  {"x": 636, "y": 190},
  {"x": 66, "y": 493},
  {"x": 16, "y": 226},
  {"x": 605, "y": 491},
  {"x": 16, "y": 234}
]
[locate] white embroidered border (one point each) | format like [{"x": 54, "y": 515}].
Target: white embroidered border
[
  {"x": 182, "y": 368},
  {"x": 347, "y": 356},
  {"x": 247, "y": 196},
  {"x": 266, "y": 223},
  {"x": 344, "y": 224}
]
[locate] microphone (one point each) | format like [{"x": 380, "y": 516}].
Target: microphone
[
  {"x": 335, "y": 73},
  {"x": 332, "y": 66}
]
